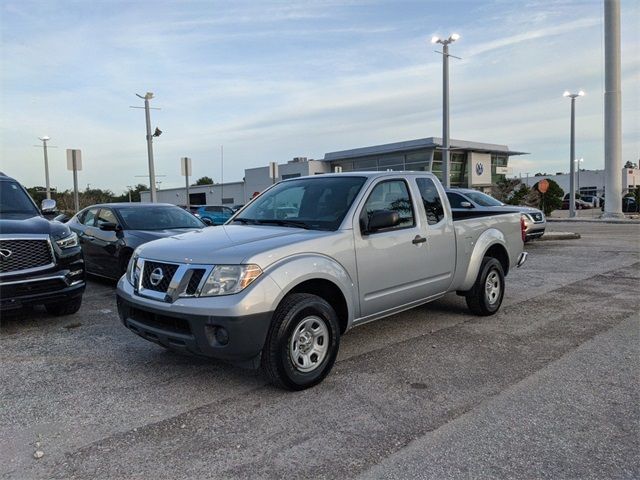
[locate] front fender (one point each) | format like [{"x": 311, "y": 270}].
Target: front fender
[
  {"x": 486, "y": 240},
  {"x": 290, "y": 272}
]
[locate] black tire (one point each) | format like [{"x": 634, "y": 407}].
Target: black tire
[
  {"x": 64, "y": 308},
  {"x": 277, "y": 362},
  {"x": 479, "y": 300}
]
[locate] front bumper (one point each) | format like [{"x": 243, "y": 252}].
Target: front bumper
[
  {"x": 55, "y": 287},
  {"x": 232, "y": 328}
]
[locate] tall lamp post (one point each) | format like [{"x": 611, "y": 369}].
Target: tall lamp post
[
  {"x": 572, "y": 154},
  {"x": 445, "y": 42},
  {"x": 44, "y": 140},
  {"x": 152, "y": 175}
]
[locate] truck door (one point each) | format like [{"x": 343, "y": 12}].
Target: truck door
[
  {"x": 392, "y": 263},
  {"x": 441, "y": 238}
]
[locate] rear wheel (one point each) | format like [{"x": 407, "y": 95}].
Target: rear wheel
[
  {"x": 485, "y": 297},
  {"x": 68, "y": 307},
  {"x": 302, "y": 343}
]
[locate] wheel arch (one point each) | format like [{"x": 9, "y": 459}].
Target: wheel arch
[{"x": 491, "y": 243}]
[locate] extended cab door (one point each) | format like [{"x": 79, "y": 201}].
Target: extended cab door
[
  {"x": 441, "y": 237},
  {"x": 393, "y": 264}
]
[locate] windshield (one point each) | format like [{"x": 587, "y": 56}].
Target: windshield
[
  {"x": 484, "y": 199},
  {"x": 312, "y": 202},
  {"x": 13, "y": 199},
  {"x": 157, "y": 218}
]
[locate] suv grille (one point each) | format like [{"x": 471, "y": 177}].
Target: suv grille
[
  {"x": 24, "y": 254},
  {"x": 158, "y": 273}
]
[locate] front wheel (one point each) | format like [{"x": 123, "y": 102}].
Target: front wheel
[
  {"x": 302, "y": 343},
  {"x": 485, "y": 297}
]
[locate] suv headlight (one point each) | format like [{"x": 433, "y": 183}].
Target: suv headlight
[
  {"x": 133, "y": 269},
  {"x": 69, "y": 241},
  {"x": 229, "y": 279}
]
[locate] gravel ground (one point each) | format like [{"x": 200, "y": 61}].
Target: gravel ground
[{"x": 548, "y": 387}]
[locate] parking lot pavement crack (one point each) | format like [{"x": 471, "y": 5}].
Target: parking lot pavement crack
[{"x": 373, "y": 404}]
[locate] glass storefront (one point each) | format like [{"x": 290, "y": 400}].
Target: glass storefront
[{"x": 419, "y": 160}]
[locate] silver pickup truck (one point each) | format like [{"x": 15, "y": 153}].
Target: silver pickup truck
[{"x": 307, "y": 260}]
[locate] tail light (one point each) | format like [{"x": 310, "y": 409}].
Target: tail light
[{"x": 523, "y": 228}]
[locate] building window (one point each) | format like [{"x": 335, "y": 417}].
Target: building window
[
  {"x": 227, "y": 200},
  {"x": 365, "y": 164}
]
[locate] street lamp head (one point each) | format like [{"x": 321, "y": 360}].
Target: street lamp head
[
  {"x": 435, "y": 39},
  {"x": 454, "y": 37},
  {"x": 148, "y": 96},
  {"x": 581, "y": 93},
  {"x": 566, "y": 93},
  {"x": 45, "y": 138}
]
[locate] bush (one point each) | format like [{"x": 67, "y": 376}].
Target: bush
[{"x": 552, "y": 199}]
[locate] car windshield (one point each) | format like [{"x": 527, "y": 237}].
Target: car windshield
[
  {"x": 312, "y": 203},
  {"x": 484, "y": 199},
  {"x": 13, "y": 199},
  {"x": 157, "y": 218}
]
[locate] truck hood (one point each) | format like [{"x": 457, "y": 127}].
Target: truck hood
[
  {"x": 19, "y": 224},
  {"x": 226, "y": 244},
  {"x": 149, "y": 235}
]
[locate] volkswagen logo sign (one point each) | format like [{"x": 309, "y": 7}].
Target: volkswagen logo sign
[
  {"x": 5, "y": 253},
  {"x": 479, "y": 168},
  {"x": 156, "y": 276}
]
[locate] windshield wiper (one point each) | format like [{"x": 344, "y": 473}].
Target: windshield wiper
[
  {"x": 246, "y": 221},
  {"x": 284, "y": 223}
]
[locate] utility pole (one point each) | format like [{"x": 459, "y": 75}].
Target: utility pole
[
  {"x": 446, "y": 180},
  {"x": 612, "y": 112},
  {"x": 152, "y": 176},
  {"x": 572, "y": 153},
  {"x": 44, "y": 141}
]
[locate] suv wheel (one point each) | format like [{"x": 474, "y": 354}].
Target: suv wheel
[
  {"x": 302, "y": 343},
  {"x": 64, "y": 308},
  {"x": 485, "y": 297}
]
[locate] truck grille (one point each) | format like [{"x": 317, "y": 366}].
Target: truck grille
[
  {"x": 159, "y": 274},
  {"x": 194, "y": 281},
  {"x": 17, "y": 255}
]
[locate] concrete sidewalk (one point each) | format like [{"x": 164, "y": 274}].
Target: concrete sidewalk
[{"x": 577, "y": 418}]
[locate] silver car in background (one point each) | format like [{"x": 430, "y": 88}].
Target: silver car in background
[{"x": 468, "y": 201}]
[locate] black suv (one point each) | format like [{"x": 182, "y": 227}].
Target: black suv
[{"x": 40, "y": 260}]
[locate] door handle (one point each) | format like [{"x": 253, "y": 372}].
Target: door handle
[{"x": 418, "y": 239}]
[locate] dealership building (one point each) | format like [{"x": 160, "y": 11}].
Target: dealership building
[{"x": 473, "y": 164}]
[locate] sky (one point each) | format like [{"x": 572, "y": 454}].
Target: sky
[{"x": 272, "y": 80}]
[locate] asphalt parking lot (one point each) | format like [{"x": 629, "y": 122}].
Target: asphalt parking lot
[{"x": 547, "y": 388}]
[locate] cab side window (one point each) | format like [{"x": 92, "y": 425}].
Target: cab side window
[
  {"x": 390, "y": 195},
  {"x": 431, "y": 200}
]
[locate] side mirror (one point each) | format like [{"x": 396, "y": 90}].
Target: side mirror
[
  {"x": 109, "y": 227},
  {"x": 383, "y": 219},
  {"x": 48, "y": 205},
  {"x": 207, "y": 221},
  {"x": 466, "y": 205}
]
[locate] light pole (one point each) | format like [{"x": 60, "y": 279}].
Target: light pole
[
  {"x": 445, "y": 103},
  {"x": 152, "y": 175},
  {"x": 572, "y": 154},
  {"x": 44, "y": 140},
  {"x": 578, "y": 162}
]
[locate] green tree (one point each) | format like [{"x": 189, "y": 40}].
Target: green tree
[
  {"x": 504, "y": 188},
  {"x": 552, "y": 199},
  {"x": 135, "y": 193},
  {"x": 204, "y": 181}
]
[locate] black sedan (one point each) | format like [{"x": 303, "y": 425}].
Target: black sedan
[{"x": 109, "y": 233}]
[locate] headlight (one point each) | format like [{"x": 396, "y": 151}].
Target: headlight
[
  {"x": 133, "y": 269},
  {"x": 68, "y": 241},
  {"x": 229, "y": 279}
]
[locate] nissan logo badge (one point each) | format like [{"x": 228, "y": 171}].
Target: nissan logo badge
[{"x": 156, "y": 276}]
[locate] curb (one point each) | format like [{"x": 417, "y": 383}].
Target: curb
[
  {"x": 620, "y": 221},
  {"x": 550, "y": 236}
]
